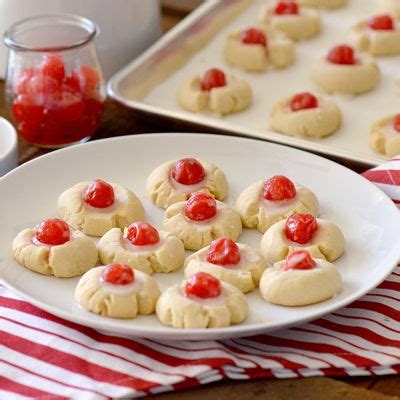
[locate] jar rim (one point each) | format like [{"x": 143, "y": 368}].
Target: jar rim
[{"x": 89, "y": 27}]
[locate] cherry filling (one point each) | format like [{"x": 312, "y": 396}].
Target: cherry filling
[
  {"x": 118, "y": 274},
  {"x": 53, "y": 232},
  {"x": 223, "y": 251},
  {"x": 213, "y": 78},
  {"x": 203, "y": 285},
  {"x": 142, "y": 234},
  {"x": 286, "y": 7},
  {"x": 299, "y": 260},
  {"x": 396, "y": 123},
  {"x": 300, "y": 228},
  {"x": 254, "y": 36},
  {"x": 381, "y": 23},
  {"x": 200, "y": 207},
  {"x": 279, "y": 188},
  {"x": 188, "y": 171},
  {"x": 342, "y": 54},
  {"x": 99, "y": 194},
  {"x": 303, "y": 101}
]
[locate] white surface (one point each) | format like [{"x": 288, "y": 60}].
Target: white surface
[
  {"x": 351, "y": 141},
  {"x": 127, "y": 26},
  {"x": 8, "y": 147},
  {"x": 369, "y": 220}
]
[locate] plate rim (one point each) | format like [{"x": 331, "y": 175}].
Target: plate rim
[{"x": 166, "y": 332}]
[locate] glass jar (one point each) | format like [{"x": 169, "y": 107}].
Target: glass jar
[{"x": 54, "y": 83}]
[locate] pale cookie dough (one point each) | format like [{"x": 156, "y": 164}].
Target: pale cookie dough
[
  {"x": 126, "y": 209},
  {"x": 313, "y": 122},
  {"x": 327, "y": 242},
  {"x": 176, "y": 309},
  {"x": 245, "y": 275},
  {"x": 72, "y": 258},
  {"x": 350, "y": 79},
  {"x": 117, "y": 301},
  {"x": 384, "y": 138},
  {"x": 390, "y": 6},
  {"x": 260, "y": 214},
  {"x": 323, "y": 3},
  {"x": 304, "y": 25},
  {"x": 300, "y": 287},
  {"x": 279, "y": 53},
  {"x": 196, "y": 235},
  {"x": 235, "y": 96},
  {"x": 165, "y": 256},
  {"x": 163, "y": 190},
  {"x": 376, "y": 42}
]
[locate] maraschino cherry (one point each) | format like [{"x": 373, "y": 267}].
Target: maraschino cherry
[
  {"x": 142, "y": 233},
  {"x": 342, "y": 54},
  {"x": 300, "y": 259},
  {"x": 118, "y": 274},
  {"x": 279, "y": 188},
  {"x": 381, "y": 23},
  {"x": 396, "y": 123},
  {"x": 254, "y": 36},
  {"x": 300, "y": 228},
  {"x": 223, "y": 251},
  {"x": 286, "y": 7},
  {"x": 99, "y": 194},
  {"x": 213, "y": 78},
  {"x": 303, "y": 101},
  {"x": 53, "y": 232},
  {"x": 188, "y": 171},
  {"x": 203, "y": 285},
  {"x": 200, "y": 207}
]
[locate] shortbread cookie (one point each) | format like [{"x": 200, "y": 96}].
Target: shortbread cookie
[
  {"x": 117, "y": 291},
  {"x": 52, "y": 249},
  {"x": 391, "y": 7},
  {"x": 176, "y": 180},
  {"x": 265, "y": 202},
  {"x": 385, "y": 135},
  {"x": 379, "y": 36},
  {"x": 202, "y": 302},
  {"x": 216, "y": 92},
  {"x": 331, "y": 4},
  {"x": 320, "y": 237},
  {"x": 342, "y": 71},
  {"x": 142, "y": 247},
  {"x": 300, "y": 280},
  {"x": 257, "y": 49},
  {"x": 296, "y": 22},
  {"x": 96, "y": 207},
  {"x": 234, "y": 263},
  {"x": 306, "y": 115},
  {"x": 200, "y": 220}
]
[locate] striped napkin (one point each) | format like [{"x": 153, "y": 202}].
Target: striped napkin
[{"x": 45, "y": 357}]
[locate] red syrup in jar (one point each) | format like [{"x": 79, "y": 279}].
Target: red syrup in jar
[{"x": 53, "y": 108}]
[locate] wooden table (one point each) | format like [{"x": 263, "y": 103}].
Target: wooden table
[{"x": 119, "y": 121}]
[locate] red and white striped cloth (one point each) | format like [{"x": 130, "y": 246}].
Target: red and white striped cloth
[{"x": 45, "y": 357}]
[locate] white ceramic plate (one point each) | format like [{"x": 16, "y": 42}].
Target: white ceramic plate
[{"x": 369, "y": 220}]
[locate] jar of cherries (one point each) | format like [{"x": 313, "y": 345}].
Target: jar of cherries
[{"x": 54, "y": 82}]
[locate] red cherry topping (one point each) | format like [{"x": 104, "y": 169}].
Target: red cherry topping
[
  {"x": 286, "y": 7},
  {"x": 381, "y": 23},
  {"x": 188, "y": 171},
  {"x": 254, "y": 36},
  {"x": 279, "y": 188},
  {"x": 213, "y": 78},
  {"x": 142, "y": 233},
  {"x": 53, "y": 232},
  {"x": 99, "y": 194},
  {"x": 53, "y": 66},
  {"x": 300, "y": 228},
  {"x": 200, "y": 207},
  {"x": 396, "y": 123},
  {"x": 223, "y": 251},
  {"x": 303, "y": 101},
  {"x": 342, "y": 54},
  {"x": 118, "y": 274},
  {"x": 203, "y": 285},
  {"x": 299, "y": 260}
]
